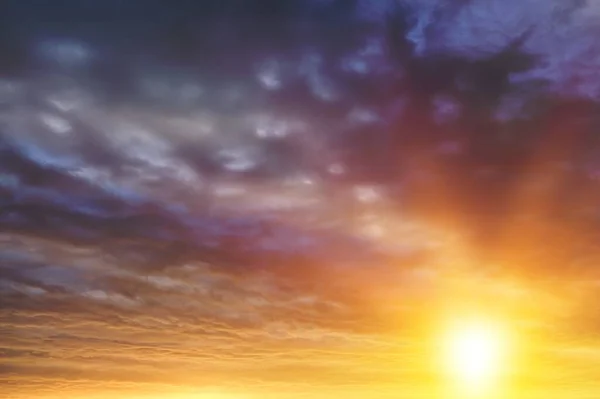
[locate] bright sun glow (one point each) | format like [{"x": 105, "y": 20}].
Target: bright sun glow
[{"x": 474, "y": 354}]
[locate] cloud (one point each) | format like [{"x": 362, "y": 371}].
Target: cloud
[
  {"x": 560, "y": 34},
  {"x": 262, "y": 214}
]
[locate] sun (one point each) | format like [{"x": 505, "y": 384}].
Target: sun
[{"x": 475, "y": 354}]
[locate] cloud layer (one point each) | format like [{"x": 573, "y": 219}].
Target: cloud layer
[{"x": 278, "y": 198}]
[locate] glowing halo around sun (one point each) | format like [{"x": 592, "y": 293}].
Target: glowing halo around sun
[{"x": 475, "y": 356}]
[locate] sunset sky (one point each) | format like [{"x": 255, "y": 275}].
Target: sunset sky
[{"x": 285, "y": 199}]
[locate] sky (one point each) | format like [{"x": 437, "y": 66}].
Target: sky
[{"x": 266, "y": 199}]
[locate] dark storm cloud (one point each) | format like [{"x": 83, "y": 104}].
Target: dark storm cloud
[{"x": 236, "y": 191}]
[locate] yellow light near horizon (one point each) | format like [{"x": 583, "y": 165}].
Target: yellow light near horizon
[{"x": 474, "y": 355}]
